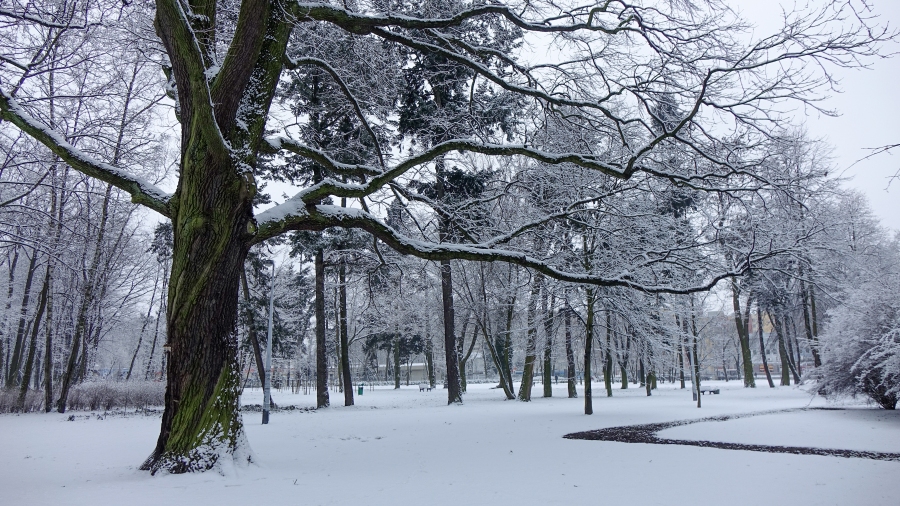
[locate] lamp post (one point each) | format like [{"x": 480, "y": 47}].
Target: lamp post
[{"x": 267, "y": 376}]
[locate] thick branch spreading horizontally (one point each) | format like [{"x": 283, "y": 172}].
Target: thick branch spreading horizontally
[
  {"x": 321, "y": 217},
  {"x": 363, "y": 24}
]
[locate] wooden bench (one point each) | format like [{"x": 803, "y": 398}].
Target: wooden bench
[{"x": 709, "y": 390}]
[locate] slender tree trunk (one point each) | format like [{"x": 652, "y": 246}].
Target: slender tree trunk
[
  {"x": 5, "y": 357},
  {"x": 454, "y": 392},
  {"x": 48, "y": 356},
  {"x": 321, "y": 340},
  {"x": 396, "y": 349},
  {"x": 782, "y": 351},
  {"x": 696, "y": 360},
  {"x": 531, "y": 341},
  {"x": 814, "y": 344},
  {"x": 808, "y": 322},
  {"x": 762, "y": 347},
  {"x": 588, "y": 344},
  {"x": 495, "y": 356},
  {"x": 608, "y": 367},
  {"x": 81, "y": 319},
  {"x": 15, "y": 363},
  {"x": 681, "y": 354},
  {"x": 143, "y": 327},
  {"x": 623, "y": 364},
  {"x": 429, "y": 355},
  {"x": 345, "y": 339},
  {"x": 548, "y": 343},
  {"x": 159, "y": 313},
  {"x": 570, "y": 352},
  {"x": 33, "y": 344},
  {"x": 464, "y": 358},
  {"x": 743, "y": 335},
  {"x": 794, "y": 339},
  {"x": 507, "y": 351},
  {"x": 251, "y": 331}
]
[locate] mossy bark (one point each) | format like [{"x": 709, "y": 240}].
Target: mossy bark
[{"x": 212, "y": 228}]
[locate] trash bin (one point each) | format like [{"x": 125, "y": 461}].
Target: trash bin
[{"x": 359, "y": 389}]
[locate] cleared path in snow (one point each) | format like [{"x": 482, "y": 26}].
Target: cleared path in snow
[{"x": 649, "y": 434}]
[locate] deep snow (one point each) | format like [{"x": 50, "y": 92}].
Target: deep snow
[{"x": 407, "y": 447}]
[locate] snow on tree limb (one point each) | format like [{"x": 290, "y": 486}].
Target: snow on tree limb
[
  {"x": 141, "y": 191},
  {"x": 320, "y": 217}
]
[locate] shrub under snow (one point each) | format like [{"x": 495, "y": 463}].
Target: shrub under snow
[
  {"x": 94, "y": 395},
  {"x": 862, "y": 344}
]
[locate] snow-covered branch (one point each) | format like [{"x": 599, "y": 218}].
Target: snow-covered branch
[{"x": 141, "y": 191}]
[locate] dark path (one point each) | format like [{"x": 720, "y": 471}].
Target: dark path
[{"x": 647, "y": 434}]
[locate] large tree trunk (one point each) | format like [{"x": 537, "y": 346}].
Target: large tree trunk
[{"x": 201, "y": 422}]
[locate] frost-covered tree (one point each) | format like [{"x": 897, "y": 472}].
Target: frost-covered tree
[{"x": 862, "y": 340}]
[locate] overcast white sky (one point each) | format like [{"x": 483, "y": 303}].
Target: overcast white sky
[{"x": 869, "y": 108}]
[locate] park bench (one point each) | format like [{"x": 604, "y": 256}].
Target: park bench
[
  {"x": 424, "y": 386},
  {"x": 709, "y": 390}
]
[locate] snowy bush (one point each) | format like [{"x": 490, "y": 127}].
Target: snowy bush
[
  {"x": 862, "y": 343},
  {"x": 93, "y": 395},
  {"x": 106, "y": 395},
  {"x": 34, "y": 400}
]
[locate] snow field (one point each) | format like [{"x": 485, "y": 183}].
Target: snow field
[{"x": 408, "y": 448}]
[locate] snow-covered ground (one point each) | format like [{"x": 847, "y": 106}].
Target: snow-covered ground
[{"x": 408, "y": 448}]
